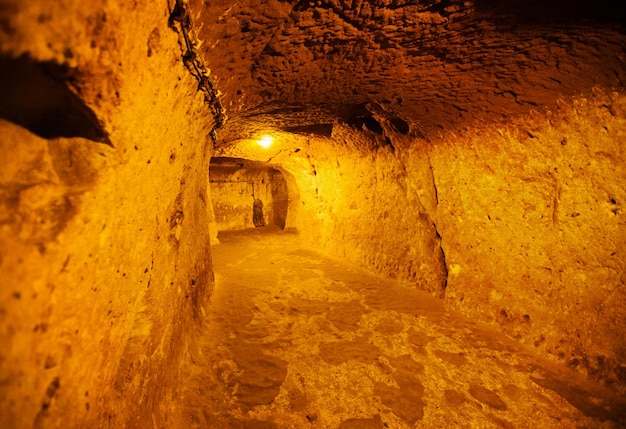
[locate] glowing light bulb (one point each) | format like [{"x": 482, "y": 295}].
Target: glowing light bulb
[{"x": 266, "y": 141}]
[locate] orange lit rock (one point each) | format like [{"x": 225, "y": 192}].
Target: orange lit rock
[
  {"x": 468, "y": 149},
  {"x": 105, "y": 265},
  {"x": 532, "y": 223},
  {"x": 247, "y": 195}
]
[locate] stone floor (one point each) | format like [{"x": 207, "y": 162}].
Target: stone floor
[{"x": 298, "y": 340}]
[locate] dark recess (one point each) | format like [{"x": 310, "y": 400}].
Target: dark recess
[
  {"x": 552, "y": 12},
  {"x": 322, "y": 130},
  {"x": 35, "y": 96},
  {"x": 400, "y": 125},
  {"x": 362, "y": 119}
]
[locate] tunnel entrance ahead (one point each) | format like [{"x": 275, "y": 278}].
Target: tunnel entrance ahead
[{"x": 247, "y": 194}]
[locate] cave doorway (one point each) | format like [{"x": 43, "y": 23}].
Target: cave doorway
[
  {"x": 258, "y": 218},
  {"x": 247, "y": 194}
]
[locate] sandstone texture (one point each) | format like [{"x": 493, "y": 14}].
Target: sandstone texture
[
  {"x": 317, "y": 342},
  {"x": 537, "y": 213},
  {"x": 413, "y": 121},
  {"x": 520, "y": 225},
  {"x": 440, "y": 64},
  {"x": 247, "y": 195},
  {"x": 471, "y": 150},
  {"x": 105, "y": 264}
]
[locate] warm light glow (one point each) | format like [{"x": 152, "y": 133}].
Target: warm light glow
[{"x": 266, "y": 141}]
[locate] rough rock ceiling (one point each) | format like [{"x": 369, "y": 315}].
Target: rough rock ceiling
[{"x": 299, "y": 65}]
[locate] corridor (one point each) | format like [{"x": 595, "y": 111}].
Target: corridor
[{"x": 296, "y": 340}]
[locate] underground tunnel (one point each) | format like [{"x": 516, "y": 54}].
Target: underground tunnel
[
  {"x": 312, "y": 214},
  {"x": 247, "y": 194}
]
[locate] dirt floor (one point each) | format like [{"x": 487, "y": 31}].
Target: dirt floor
[{"x": 295, "y": 339}]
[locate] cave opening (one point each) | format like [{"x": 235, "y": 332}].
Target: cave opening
[
  {"x": 247, "y": 194},
  {"x": 37, "y": 96}
]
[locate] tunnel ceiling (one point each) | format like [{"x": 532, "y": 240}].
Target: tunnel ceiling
[{"x": 438, "y": 65}]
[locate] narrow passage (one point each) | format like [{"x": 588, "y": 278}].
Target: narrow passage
[{"x": 296, "y": 340}]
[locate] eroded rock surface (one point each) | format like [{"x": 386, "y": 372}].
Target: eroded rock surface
[
  {"x": 439, "y": 65},
  {"x": 104, "y": 257},
  {"x": 471, "y": 149},
  {"x": 273, "y": 356}
]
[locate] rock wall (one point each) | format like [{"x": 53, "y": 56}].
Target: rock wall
[
  {"x": 518, "y": 224},
  {"x": 247, "y": 196},
  {"x": 532, "y": 221},
  {"x": 357, "y": 202},
  {"x": 372, "y": 213},
  {"x": 448, "y": 64},
  {"x": 104, "y": 211},
  {"x": 104, "y": 247}
]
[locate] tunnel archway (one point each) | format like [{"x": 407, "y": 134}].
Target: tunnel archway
[{"x": 249, "y": 194}]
